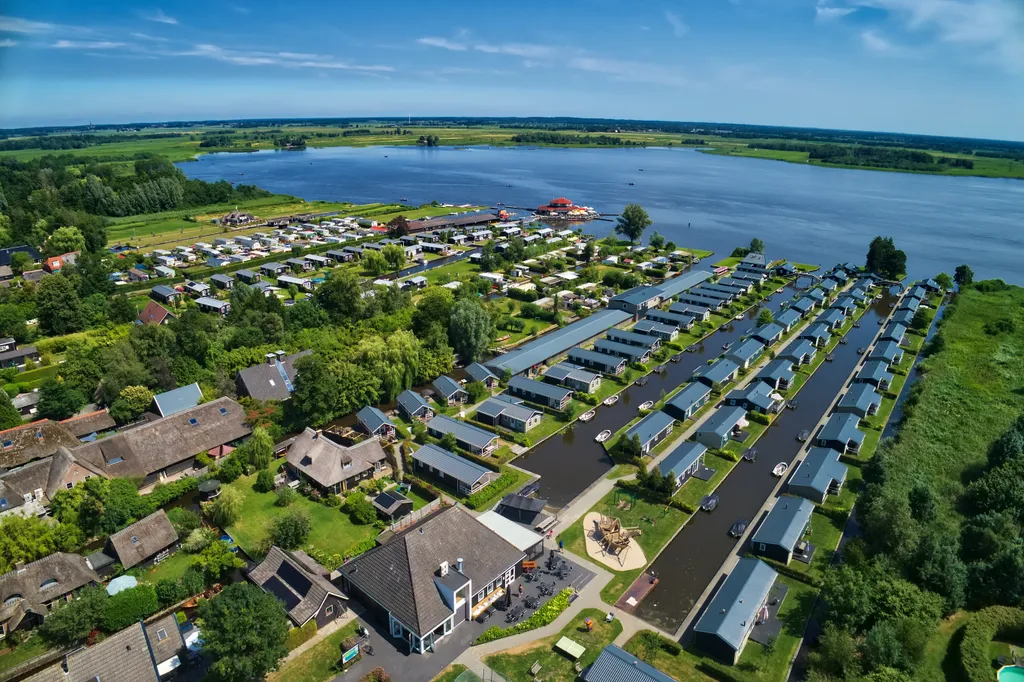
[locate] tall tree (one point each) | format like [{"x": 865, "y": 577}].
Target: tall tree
[
  {"x": 398, "y": 227},
  {"x": 470, "y": 329},
  {"x": 394, "y": 255},
  {"x": 657, "y": 241},
  {"x": 58, "y": 400},
  {"x": 226, "y": 509},
  {"x": 58, "y": 307},
  {"x": 341, "y": 295},
  {"x": 632, "y": 223},
  {"x": 122, "y": 310},
  {"x": 259, "y": 448},
  {"x": 885, "y": 259},
  {"x": 64, "y": 240},
  {"x": 433, "y": 308},
  {"x": 963, "y": 275},
  {"x": 244, "y": 631},
  {"x": 9, "y": 415},
  {"x": 756, "y": 245}
]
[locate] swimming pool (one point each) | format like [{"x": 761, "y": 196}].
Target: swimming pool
[{"x": 1011, "y": 673}]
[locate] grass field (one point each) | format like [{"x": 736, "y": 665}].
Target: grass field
[
  {"x": 170, "y": 568},
  {"x": 318, "y": 663},
  {"x": 27, "y": 650},
  {"x": 554, "y": 665}
]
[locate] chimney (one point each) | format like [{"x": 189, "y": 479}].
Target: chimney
[
  {"x": 459, "y": 563},
  {"x": 444, "y": 568},
  {"x": 271, "y": 358},
  {"x": 279, "y": 354},
  {"x": 20, "y": 567}
]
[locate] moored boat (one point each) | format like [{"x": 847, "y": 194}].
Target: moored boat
[
  {"x": 603, "y": 436},
  {"x": 780, "y": 469},
  {"x": 646, "y": 405},
  {"x": 587, "y": 416},
  {"x": 611, "y": 400}
]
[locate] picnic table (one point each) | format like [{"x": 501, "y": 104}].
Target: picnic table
[{"x": 570, "y": 648}]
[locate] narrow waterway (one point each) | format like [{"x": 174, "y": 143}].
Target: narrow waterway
[
  {"x": 569, "y": 462},
  {"x": 893, "y": 425},
  {"x": 691, "y": 561}
]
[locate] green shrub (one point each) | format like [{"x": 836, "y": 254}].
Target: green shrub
[
  {"x": 299, "y": 636},
  {"x": 128, "y": 606},
  {"x": 541, "y": 617},
  {"x": 360, "y": 547},
  {"x": 480, "y": 498},
  {"x": 264, "y": 481},
  {"x": 1003, "y": 622},
  {"x": 285, "y": 496},
  {"x": 759, "y": 418}
]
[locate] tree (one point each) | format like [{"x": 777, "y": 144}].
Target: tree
[
  {"x": 836, "y": 654},
  {"x": 588, "y": 252},
  {"x": 963, "y": 275},
  {"x": 184, "y": 520},
  {"x": 394, "y": 255},
  {"x": 922, "y": 503},
  {"x": 920, "y": 320},
  {"x": 264, "y": 481},
  {"x": 885, "y": 259},
  {"x": 765, "y": 316},
  {"x": 470, "y": 329},
  {"x": 122, "y": 310},
  {"x": 58, "y": 307},
  {"x": 433, "y": 308},
  {"x": 944, "y": 280},
  {"x": 375, "y": 262},
  {"x": 289, "y": 531},
  {"x": 341, "y": 295},
  {"x": 131, "y": 402},
  {"x": 216, "y": 560},
  {"x": 449, "y": 442},
  {"x": 756, "y": 246},
  {"x": 64, "y": 240},
  {"x": 58, "y": 400},
  {"x": 226, "y": 509},
  {"x": 129, "y": 606},
  {"x": 632, "y": 223},
  {"x": 657, "y": 241},
  {"x": 9, "y": 415},
  {"x": 20, "y": 262},
  {"x": 259, "y": 448},
  {"x": 244, "y": 630},
  {"x": 70, "y": 624},
  {"x": 398, "y": 227}
]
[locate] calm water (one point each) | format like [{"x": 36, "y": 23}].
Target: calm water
[{"x": 804, "y": 213}]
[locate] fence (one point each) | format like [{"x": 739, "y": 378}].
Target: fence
[
  {"x": 485, "y": 675},
  {"x": 413, "y": 517}
]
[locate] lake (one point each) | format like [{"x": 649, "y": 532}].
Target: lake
[{"x": 804, "y": 213}]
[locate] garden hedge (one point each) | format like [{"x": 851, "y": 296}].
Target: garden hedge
[
  {"x": 541, "y": 617},
  {"x": 983, "y": 627}
]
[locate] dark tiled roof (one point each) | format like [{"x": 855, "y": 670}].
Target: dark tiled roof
[
  {"x": 143, "y": 539},
  {"x": 328, "y": 463},
  {"x": 264, "y": 381},
  {"x": 400, "y": 574},
  {"x": 303, "y": 591}
]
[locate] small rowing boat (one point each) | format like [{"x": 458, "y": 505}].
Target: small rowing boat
[
  {"x": 780, "y": 470},
  {"x": 587, "y": 416},
  {"x": 646, "y": 405},
  {"x": 603, "y": 436},
  {"x": 611, "y": 400}
]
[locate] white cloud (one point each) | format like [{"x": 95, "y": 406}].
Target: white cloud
[
  {"x": 679, "y": 27},
  {"x": 160, "y": 18},
  {"x": 875, "y": 42},
  {"x": 824, "y": 12},
  {"x": 86, "y": 45},
  {"x": 146, "y": 36},
  {"x": 318, "y": 64},
  {"x": 525, "y": 50},
  {"x": 221, "y": 55},
  {"x": 283, "y": 59},
  {"x": 635, "y": 72},
  {"x": 7, "y": 43},
  {"x": 995, "y": 28},
  {"x": 301, "y": 55},
  {"x": 19, "y": 25},
  {"x": 442, "y": 43}
]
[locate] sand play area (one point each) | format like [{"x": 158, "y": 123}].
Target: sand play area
[{"x": 617, "y": 548}]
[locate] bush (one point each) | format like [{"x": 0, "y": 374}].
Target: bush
[
  {"x": 184, "y": 520},
  {"x": 285, "y": 496},
  {"x": 332, "y": 501},
  {"x": 169, "y": 592},
  {"x": 480, "y": 498},
  {"x": 541, "y": 617},
  {"x": 290, "y": 530},
  {"x": 264, "y": 481},
  {"x": 193, "y": 580},
  {"x": 376, "y": 675},
  {"x": 198, "y": 540},
  {"x": 1001, "y": 622},
  {"x": 759, "y": 418},
  {"x": 299, "y": 636},
  {"x": 128, "y": 606}
]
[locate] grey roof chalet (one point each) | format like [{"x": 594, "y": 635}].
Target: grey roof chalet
[
  {"x": 904, "y": 317},
  {"x": 842, "y": 428},
  {"x": 741, "y": 284},
  {"x": 819, "y": 469},
  {"x": 776, "y": 370},
  {"x": 246, "y": 274},
  {"x": 875, "y": 371},
  {"x": 222, "y": 279},
  {"x": 650, "y": 426},
  {"x": 917, "y": 291},
  {"x": 464, "y": 432},
  {"x": 164, "y": 291},
  {"x": 717, "y": 372},
  {"x": 158, "y": 444},
  {"x": 707, "y": 292},
  {"x": 859, "y": 398},
  {"x": 651, "y": 327},
  {"x": 557, "y": 342},
  {"x": 668, "y": 319},
  {"x": 757, "y": 393},
  {"x": 691, "y": 395},
  {"x": 492, "y": 407},
  {"x": 818, "y": 331},
  {"x": 450, "y": 464},
  {"x": 623, "y": 350},
  {"x": 785, "y": 523},
  {"x": 18, "y": 353},
  {"x": 36, "y": 583},
  {"x": 676, "y": 285},
  {"x": 541, "y": 388},
  {"x": 845, "y": 303},
  {"x": 478, "y": 372},
  {"x": 35, "y": 440},
  {"x": 788, "y": 317},
  {"x": 886, "y": 350},
  {"x": 796, "y": 350},
  {"x": 690, "y": 310},
  {"x": 584, "y": 355},
  {"x": 816, "y": 294},
  {"x": 894, "y": 332},
  {"x": 731, "y": 613},
  {"x": 143, "y": 539},
  {"x": 681, "y": 458},
  {"x": 447, "y": 387},
  {"x": 178, "y": 399},
  {"x": 803, "y": 304},
  {"x": 400, "y": 575},
  {"x": 911, "y": 304},
  {"x": 828, "y": 284},
  {"x": 746, "y": 350},
  {"x": 754, "y": 258},
  {"x": 832, "y": 316},
  {"x": 328, "y": 463},
  {"x": 616, "y": 665},
  {"x": 566, "y": 370},
  {"x": 633, "y": 338},
  {"x": 303, "y": 591},
  {"x": 769, "y": 332},
  {"x": 412, "y": 403},
  {"x": 372, "y": 419},
  {"x": 270, "y": 381},
  {"x": 723, "y": 420},
  {"x": 637, "y": 295}
]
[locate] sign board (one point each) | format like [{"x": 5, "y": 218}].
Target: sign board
[
  {"x": 529, "y": 565},
  {"x": 350, "y": 654}
]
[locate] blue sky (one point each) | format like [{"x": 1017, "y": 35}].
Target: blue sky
[{"x": 947, "y": 67}]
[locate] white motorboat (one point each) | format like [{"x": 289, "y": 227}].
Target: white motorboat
[
  {"x": 603, "y": 436},
  {"x": 738, "y": 317},
  {"x": 587, "y": 416},
  {"x": 780, "y": 469},
  {"x": 611, "y": 400},
  {"x": 646, "y": 405}
]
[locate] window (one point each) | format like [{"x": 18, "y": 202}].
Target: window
[
  {"x": 223, "y": 410},
  {"x": 329, "y": 611},
  {"x": 8, "y": 444},
  {"x": 3, "y": 503},
  {"x": 39, "y": 435},
  {"x": 193, "y": 421},
  {"x": 69, "y": 485},
  {"x": 161, "y": 635},
  {"x": 48, "y": 584},
  {"x": 116, "y": 460},
  {"x": 13, "y": 599},
  {"x": 135, "y": 539},
  {"x": 760, "y": 546}
]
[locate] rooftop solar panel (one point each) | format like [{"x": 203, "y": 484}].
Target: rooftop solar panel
[
  {"x": 281, "y": 591},
  {"x": 294, "y": 578}
]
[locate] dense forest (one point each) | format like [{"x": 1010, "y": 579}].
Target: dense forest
[
  {"x": 872, "y": 157},
  {"x": 566, "y": 138},
  {"x": 73, "y": 141}
]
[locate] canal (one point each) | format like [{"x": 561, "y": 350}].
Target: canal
[
  {"x": 893, "y": 425},
  {"x": 692, "y": 560},
  {"x": 569, "y": 462}
]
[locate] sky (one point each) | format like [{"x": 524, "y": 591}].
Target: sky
[{"x": 943, "y": 67}]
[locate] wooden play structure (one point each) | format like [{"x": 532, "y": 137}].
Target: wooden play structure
[{"x": 615, "y": 537}]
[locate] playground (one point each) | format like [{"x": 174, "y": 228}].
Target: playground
[{"x": 612, "y": 544}]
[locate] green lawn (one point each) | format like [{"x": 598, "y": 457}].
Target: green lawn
[
  {"x": 319, "y": 662},
  {"x": 805, "y": 267},
  {"x": 555, "y": 665},
  {"x": 728, "y": 262},
  {"x": 694, "y": 489},
  {"x": 941, "y": 653},
  {"x": 461, "y": 270},
  {"x": 27, "y": 650},
  {"x": 451, "y": 673},
  {"x": 755, "y": 663},
  {"x": 331, "y": 532},
  {"x": 418, "y": 500},
  {"x": 170, "y": 568}
]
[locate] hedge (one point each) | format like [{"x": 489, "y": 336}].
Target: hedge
[
  {"x": 983, "y": 627},
  {"x": 491, "y": 490},
  {"x": 299, "y": 636},
  {"x": 541, "y": 617}
]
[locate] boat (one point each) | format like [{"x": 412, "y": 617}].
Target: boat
[
  {"x": 780, "y": 290},
  {"x": 738, "y": 528},
  {"x": 632, "y": 184},
  {"x": 678, "y": 357},
  {"x": 739, "y": 317},
  {"x": 843, "y": 340},
  {"x": 803, "y": 436},
  {"x": 791, "y": 405},
  {"x": 726, "y": 346},
  {"x": 780, "y": 469},
  {"x": 659, "y": 369},
  {"x": 587, "y": 416},
  {"x": 603, "y": 436},
  {"x": 862, "y": 351},
  {"x": 750, "y": 454},
  {"x": 642, "y": 381},
  {"x": 646, "y": 405},
  {"x": 856, "y": 325},
  {"x": 696, "y": 261},
  {"x": 829, "y": 358},
  {"x": 691, "y": 348},
  {"x": 499, "y": 204},
  {"x": 878, "y": 298},
  {"x": 709, "y": 502},
  {"x": 611, "y": 400}
]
